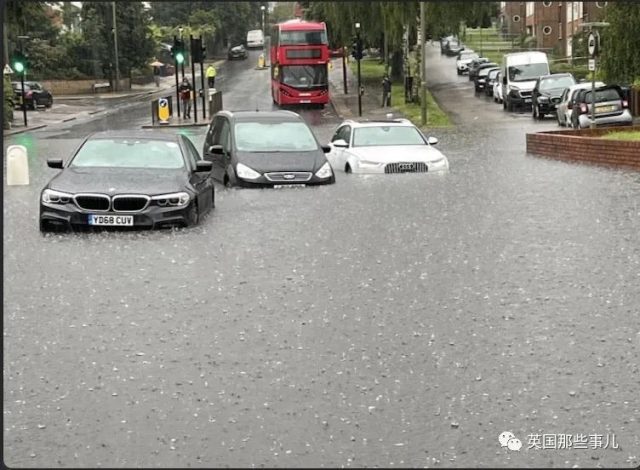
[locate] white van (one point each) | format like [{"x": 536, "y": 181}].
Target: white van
[
  {"x": 520, "y": 71},
  {"x": 255, "y": 38}
]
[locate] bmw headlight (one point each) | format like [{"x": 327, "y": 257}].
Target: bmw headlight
[
  {"x": 174, "y": 199},
  {"x": 50, "y": 196},
  {"x": 325, "y": 171},
  {"x": 244, "y": 172}
]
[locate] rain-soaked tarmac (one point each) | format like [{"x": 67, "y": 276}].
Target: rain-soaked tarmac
[{"x": 391, "y": 321}]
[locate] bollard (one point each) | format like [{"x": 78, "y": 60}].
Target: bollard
[
  {"x": 17, "y": 165},
  {"x": 261, "y": 61}
]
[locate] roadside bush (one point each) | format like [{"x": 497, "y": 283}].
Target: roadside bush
[{"x": 8, "y": 102}]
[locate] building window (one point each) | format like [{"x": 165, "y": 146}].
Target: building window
[
  {"x": 547, "y": 30},
  {"x": 547, "y": 4},
  {"x": 601, "y": 4},
  {"x": 516, "y": 18}
]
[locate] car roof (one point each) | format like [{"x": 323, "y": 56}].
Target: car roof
[
  {"x": 248, "y": 116},
  {"x": 135, "y": 134},
  {"x": 556, "y": 75},
  {"x": 581, "y": 86}
]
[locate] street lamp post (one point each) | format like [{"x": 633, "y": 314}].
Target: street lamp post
[
  {"x": 423, "y": 68},
  {"x": 359, "y": 47},
  {"x": 22, "y": 74},
  {"x": 115, "y": 46}
]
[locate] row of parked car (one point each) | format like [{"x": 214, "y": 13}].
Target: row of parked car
[{"x": 560, "y": 95}]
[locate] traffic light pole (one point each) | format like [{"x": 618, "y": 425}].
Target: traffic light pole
[
  {"x": 359, "y": 76},
  {"x": 344, "y": 69},
  {"x": 193, "y": 80},
  {"x": 175, "y": 63},
  {"x": 204, "y": 102}
]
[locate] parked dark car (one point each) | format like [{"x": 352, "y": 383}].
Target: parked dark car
[
  {"x": 611, "y": 108},
  {"x": 547, "y": 93},
  {"x": 35, "y": 95},
  {"x": 480, "y": 77},
  {"x": 473, "y": 66},
  {"x": 265, "y": 148},
  {"x": 237, "y": 52},
  {"x": 490, "y": 81},
  {"x": 128, "y": 179}
]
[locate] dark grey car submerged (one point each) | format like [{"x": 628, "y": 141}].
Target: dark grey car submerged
[
  {"x": 262, "y": 149},
  {"x": 140, "y": 179}
]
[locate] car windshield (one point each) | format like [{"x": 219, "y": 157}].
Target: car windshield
[
  {"x": 274, "y": 137},
  {"x": 483, "y": 72},
  {"x": 554, "y": 83},
  {"x": 524, "y": 72},
  {"x": 468, "y": 56},
  {"x": 493, "y": 73},
  {"x": 129, "y": 153},
  {"x": 304, "y": 76},
  {"x": 387, "y": 135},
  {"x": 610, "y": 94}
]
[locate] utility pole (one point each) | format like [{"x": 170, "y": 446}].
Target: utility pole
[
  {"x": 344, "y": 69},
  {"x": 193, "y": 79},
  {"x": 359, "y": 48},
  {"x": 115, "y": 45},
  {"x": 423, "y": 68}
]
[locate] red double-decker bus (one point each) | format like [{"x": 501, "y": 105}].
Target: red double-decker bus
[{"x": 299, "y": 63}]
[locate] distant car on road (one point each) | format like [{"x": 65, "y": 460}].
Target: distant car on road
[
  {"x": 564, "y": 109},
  {"x": 611, "y": 108},
  {"x": 35, "y": 95},
  {"x": 384, "y": 146},
  {"x": 237, "y": 52},
  {"x": 480, "y": 79},
  {"x": 128, "y": 179},
  {"x": 265, "y": 148},
  {"x": 464, "y": 59},
  {"x": 547, "y": 92},
  {"x": 255, "y": 39},
  {"x": 490, "y": 81},
  {"x": 474, "y": 64}
]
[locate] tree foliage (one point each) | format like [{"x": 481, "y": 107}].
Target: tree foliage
[{"x": 621, "y": 43}]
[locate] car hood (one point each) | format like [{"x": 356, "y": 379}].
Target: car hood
[
  {"x": 264, "y": 162},
  {"x": 524, "y": 86},
  {"x": 119, "y": 181},
  {"x": 398, "y": 153}
]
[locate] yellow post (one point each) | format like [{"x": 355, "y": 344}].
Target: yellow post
[{"x": 261, "y": 61}]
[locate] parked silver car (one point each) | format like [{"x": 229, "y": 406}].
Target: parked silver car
[
  {"x": 611, "y": 108},
  {"x": 564, "y": 109}
]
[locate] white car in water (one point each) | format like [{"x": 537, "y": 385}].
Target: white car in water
[{"x": 384, "y": 146}]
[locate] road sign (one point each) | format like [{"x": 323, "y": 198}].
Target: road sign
[
  {"x": 7, "y": 69},
  {"x": 592, "y": 44},
  {"x": 163, "y": 111},
  {"x": 592, "y": 65}
]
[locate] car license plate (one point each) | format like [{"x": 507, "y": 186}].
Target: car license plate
[
  {"x": 527, "y": 100},
  {"x": 279, "y": 186},
  {"x": 305, "y": 101},
  {"x": 111, "y": 220},
  {"x": 605, "y": 109}
]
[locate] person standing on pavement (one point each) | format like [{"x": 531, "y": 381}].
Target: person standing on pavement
[
  {"x": 386, "y": 91},
  {"x": 156, "y": 75},
  {"x": 211, "y": 76},
  {"x": 185, "y": 96}
]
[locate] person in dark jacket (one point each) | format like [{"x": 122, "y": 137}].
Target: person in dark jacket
[
  {"x": 185, "y": 96},
  {"x": 386, "y": 91}
]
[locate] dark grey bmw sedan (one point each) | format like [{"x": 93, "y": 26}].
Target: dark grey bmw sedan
[{"x": 128, "y": 179}]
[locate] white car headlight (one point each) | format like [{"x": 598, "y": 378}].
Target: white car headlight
[
  {"x": 325, "y": 171},
  {"x": 51, "y": 196},
  {"x": 367, "y": 163},
  {"x": 174, "y": 199},
  {"x": 543, "y": 99},
  {"x": 244, "y": 172}
]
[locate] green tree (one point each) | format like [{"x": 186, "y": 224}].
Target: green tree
[{"x": 621, "y": 42}]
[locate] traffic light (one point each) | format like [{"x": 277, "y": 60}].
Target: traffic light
[
  {"x": 198, "y": 51},
  {"x": 177, "y": 51},
  {"x": 18, "y": 62},
  {"x": 356, "y": 49}
]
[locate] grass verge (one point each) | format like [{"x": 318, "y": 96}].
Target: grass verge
[
  {"x": 624, "y": 135},
  {"x": 372, "y": 72}
]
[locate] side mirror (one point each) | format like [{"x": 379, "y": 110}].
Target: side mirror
[
  {"x": 432, "y": 140},
  {"x": 326, "y": 148},
  {"x": 204, "y": 166},
  {"x": 55, "y": 163},
  {"x": 341, "y": 143},
  {"x": 216, "y": 149}
]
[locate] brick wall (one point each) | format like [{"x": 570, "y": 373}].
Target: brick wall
[
  {"x": 585, "y": 145},
  {"x": 78, "y": 87}
]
